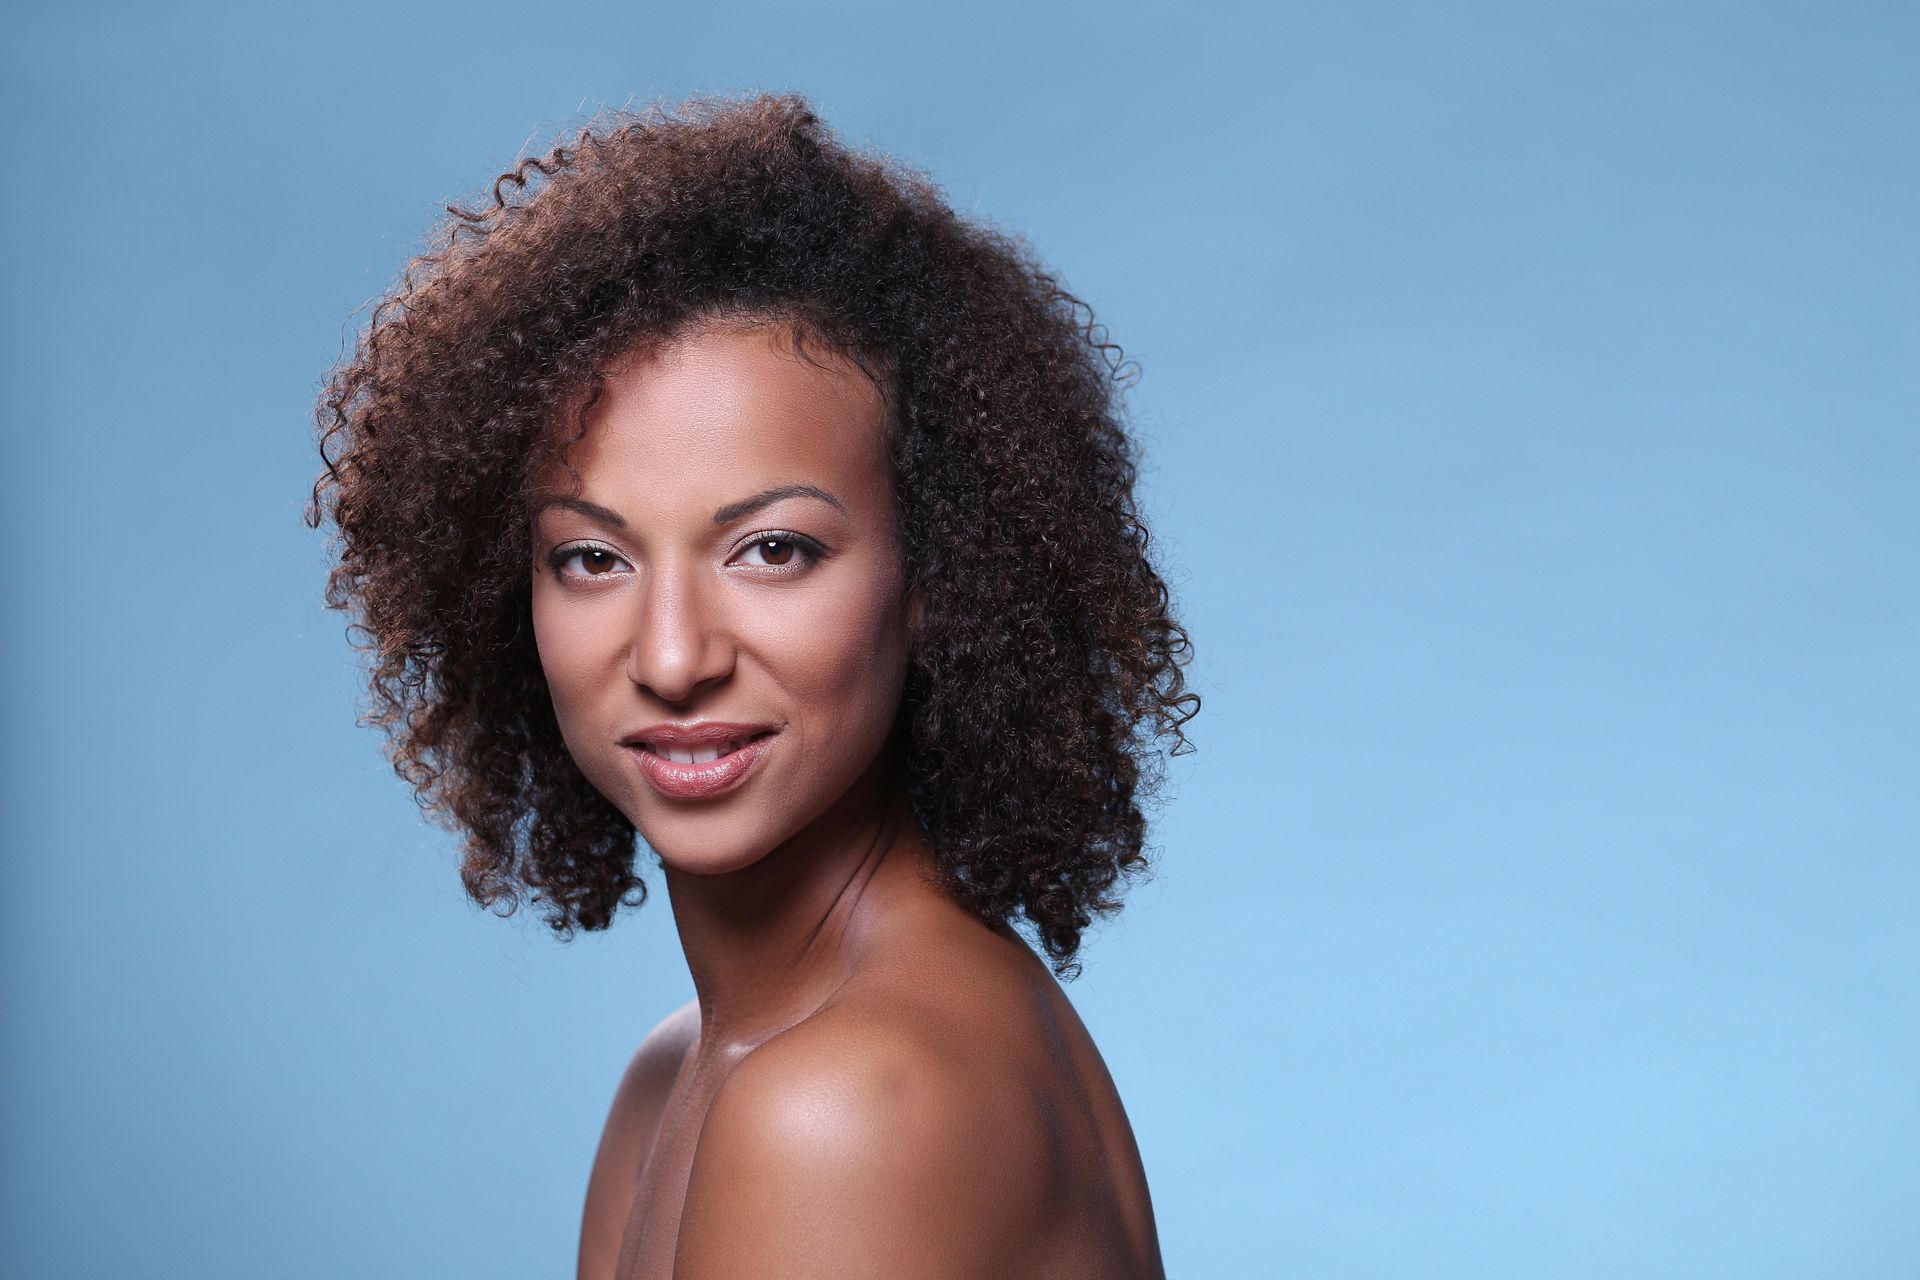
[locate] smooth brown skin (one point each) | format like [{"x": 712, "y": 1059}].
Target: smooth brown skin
[{"x": 870, "y": 1082}]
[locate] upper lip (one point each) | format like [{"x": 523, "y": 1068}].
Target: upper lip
[{"x": 694, "y": 734}]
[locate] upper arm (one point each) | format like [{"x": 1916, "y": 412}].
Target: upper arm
[
  {"x": 830, "y": 1159},
  {"x": 631, "y": 1123}
]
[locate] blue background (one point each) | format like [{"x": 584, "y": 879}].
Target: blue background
[{"x": 1530, "y": 400}]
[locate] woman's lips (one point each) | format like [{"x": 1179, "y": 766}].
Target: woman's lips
[{"x": 679, "y": 781}]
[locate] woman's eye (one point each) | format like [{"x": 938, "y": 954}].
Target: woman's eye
[
  {"x": 779, "y": 551},
  {"x": 595, "y": 562}
]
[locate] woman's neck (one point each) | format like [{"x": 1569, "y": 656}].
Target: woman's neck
[{"x": 769, "y": 944}]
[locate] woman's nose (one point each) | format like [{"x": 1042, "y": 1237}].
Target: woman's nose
[{"x": 680, "y": 640}]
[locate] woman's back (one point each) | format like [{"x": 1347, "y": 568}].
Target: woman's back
[{"x": 946, "y": 1104}]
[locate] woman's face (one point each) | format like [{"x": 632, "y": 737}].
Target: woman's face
[{"x": 727, "y": 570}]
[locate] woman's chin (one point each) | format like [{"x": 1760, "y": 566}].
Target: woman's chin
[{"x": 694, "y": 857}]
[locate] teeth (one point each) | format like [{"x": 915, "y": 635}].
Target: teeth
[{"x": 700, "y": 755}]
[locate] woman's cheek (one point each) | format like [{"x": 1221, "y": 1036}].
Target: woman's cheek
[
  {"x": 862, "y": 669},
  {"x": 570, "y": 644}
]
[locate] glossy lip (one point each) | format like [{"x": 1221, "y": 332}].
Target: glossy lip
[{"x": 698, "y": 781}]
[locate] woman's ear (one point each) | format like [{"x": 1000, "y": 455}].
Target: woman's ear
[{"x": 916, "y": 613}]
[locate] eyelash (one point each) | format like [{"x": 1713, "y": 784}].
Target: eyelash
[{"x": 808, "y": 548}]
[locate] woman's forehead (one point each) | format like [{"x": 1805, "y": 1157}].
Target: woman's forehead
[{"x": 726, "y": 405}]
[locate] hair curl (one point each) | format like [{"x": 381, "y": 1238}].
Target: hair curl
[{"x": 1049, "y": 664}]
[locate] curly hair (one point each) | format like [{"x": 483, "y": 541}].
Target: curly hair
[{"x": 1048, "y": 667}]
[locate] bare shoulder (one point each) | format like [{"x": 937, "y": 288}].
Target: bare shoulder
[
  {"x": 632, "y": 1120},
  {"x": 650, "y": 1074},
  {"x": 871, "y": 1139}
]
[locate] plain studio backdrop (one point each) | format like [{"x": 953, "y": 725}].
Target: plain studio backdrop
[{"x": 1530, "y": 418}]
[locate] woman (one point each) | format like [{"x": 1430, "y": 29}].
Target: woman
[{"x": 718, "y": 484}]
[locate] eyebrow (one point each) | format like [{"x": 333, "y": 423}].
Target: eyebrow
[
  {"x": 593, "y": 510},
  {"x": 725, "y": 515},
  {"x": 747, "y": 506}
]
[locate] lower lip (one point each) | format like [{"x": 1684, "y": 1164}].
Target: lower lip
[{"x": 701, "y": 781}]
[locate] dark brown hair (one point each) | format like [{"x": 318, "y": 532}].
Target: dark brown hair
[{"x": 1049, "y": 665}]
